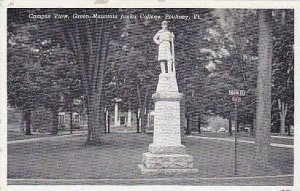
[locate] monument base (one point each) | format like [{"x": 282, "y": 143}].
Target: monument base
[
  {"x": 167, "y": 160},
  {"x": 166, "y": 172},
  {"x": 178, "y": 149}
]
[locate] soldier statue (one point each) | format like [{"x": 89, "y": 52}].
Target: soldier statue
[{"x": 165, "y": 39}]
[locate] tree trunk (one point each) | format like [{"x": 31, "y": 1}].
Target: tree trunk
[
  {"x": 199, "y": 123},
  {"x": 102, "y": 129},
  {"x": 95, "y": 121},
  {"x": 95, "y": 104},
  {"x": 137, "y": 122},
  {"x": 283, "y": 111},
  {"x": 27, "y": 117},
  {"x": 188, "y": 130},
  {"x": 282, "y": 126},
  {"x": 108, "y": 123},
  {"x": 54, "y": 121},
  {"x": 90, "y": 45},
  {"x": 252, "y": 127},
  {"x": 289, "y": 130},
  {"x": 144, "y": 120},
  {"x": 263, "y": 108},
  {"x": 71, "y": 123},
  {"x": 96, "y": 118},
  {"x": 22, "y": 122},
  {"x": 143, "y": 107},
  {"x": 238, "y": 126},
  {"x": 230, "y": 126},
  {"x": 104, "y": 120}
]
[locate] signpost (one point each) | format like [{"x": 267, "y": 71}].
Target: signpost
[
  {"x": 236, "y": 98},
  {"x": 237, "y": 92}
]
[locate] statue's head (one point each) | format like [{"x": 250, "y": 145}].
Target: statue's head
[{"x": 164, "y": 25}]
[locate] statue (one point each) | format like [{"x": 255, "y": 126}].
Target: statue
[
  {"x": 165, "y": 39},
  {"x": 166, "y": 155}
]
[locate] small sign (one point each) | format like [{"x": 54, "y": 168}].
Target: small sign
[
  {"x": 236, "y": 99},
  {"x": 237, "y": 92}
]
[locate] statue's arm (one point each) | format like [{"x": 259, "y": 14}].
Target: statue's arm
[{"x": 156, "y": 38}]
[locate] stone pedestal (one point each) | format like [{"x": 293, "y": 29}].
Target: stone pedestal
[{"x": 166, "y": 154}]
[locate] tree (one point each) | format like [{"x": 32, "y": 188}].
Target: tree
[
  {"x": 89, "y": 43},
  {"x": 138, "y": 86},
  {"x": 50, "y": 67},
  {"x": 283, "y": 70},
  {"x": 263, "y": 111},
  {"x": 23, "y": 90},
  {"x": 59, "y": 80},
  {"x": 136, "y": 70},
  {"x": 89, "y": 40},
  {"x": 241, "y": 26},
  {"x": 198, "y": 47}
]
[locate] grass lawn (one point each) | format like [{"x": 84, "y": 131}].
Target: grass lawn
[{"x": 120, "y": 153}]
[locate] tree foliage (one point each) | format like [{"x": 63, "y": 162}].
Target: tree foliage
[{"x": 98, "y": 60}]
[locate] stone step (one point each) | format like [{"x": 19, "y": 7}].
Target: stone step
[
  {"x": 166, "y": 172},
  {"x": 156, "y": 149},
  {"x": 171, "y": 161}
]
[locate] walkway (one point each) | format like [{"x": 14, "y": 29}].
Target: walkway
[
  {"x": 240, "y": 140},
  {"x": 283, "y": 180}
]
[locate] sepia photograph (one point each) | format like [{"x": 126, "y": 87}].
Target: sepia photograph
[{"x": 150, "y": 96}]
